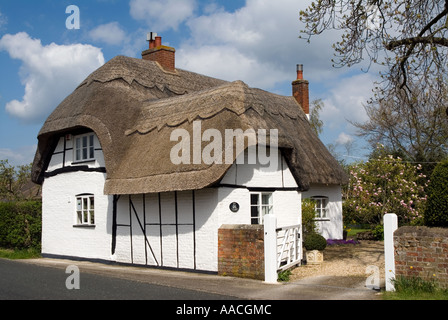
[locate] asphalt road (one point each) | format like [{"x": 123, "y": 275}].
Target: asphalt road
[{"x": 22, "y": 281}]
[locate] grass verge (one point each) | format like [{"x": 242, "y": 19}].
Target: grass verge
[
  {"x": 415, "y": 288},
  {"x": 20, "y": 253}
]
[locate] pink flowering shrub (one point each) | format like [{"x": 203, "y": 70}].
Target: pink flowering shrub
[{"x": 385, "y": 184}]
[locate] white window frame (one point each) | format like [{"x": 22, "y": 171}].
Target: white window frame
[
  {"x": 262, "y": 207},
  {"x": 84, "y": 147},
  {"x": 321, "y": 207},
  {"x": 85, "y": 210}
]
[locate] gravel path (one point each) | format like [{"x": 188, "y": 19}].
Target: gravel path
[{"x": 345, "y": 264}]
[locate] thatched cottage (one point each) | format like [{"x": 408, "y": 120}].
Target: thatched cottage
[{"x": 112, "y": 191}]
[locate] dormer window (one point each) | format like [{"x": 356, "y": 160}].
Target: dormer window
[{"x": 84, "y": 147}]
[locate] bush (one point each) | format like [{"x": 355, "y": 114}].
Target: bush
[
  {"x": 378, "y": 232},
  {"x": 315, "y": 241},
  {"x": 436, "y": 213},
  {"x": 20, "y": 224},
  {"x": 308, "y": 216}
]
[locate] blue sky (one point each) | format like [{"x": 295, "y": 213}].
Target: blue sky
[{"x": 256, "y": 41}]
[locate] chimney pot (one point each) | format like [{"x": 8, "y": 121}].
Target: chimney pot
[
  {"x": 158, "y": 42},
  {"x": 300, "y": 72}
]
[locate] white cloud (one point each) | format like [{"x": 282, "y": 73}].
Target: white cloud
[
  {"x": 346, "y": 99},
  {"x": 264, "y": 33},
  {"x": 162, "y": 15},
  {"x": 228, "y": 63},
  {"x": 48, "y": 72},
  {"x": 110, "y": 33},
  {"x": 20, "y": 156},
  {"x": 344, "y": 138}
]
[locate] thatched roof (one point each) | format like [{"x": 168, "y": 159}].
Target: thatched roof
[{"x": 133, "y": 106}]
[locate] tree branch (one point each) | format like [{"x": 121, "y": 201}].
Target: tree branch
[{"x": 417, "y": 40}]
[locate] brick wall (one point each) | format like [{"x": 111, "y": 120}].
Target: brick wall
[
  {"x": 165, "y": 56},
  {"x": 422, "y": 252},
  {"x": 300, "y": 92},
  {"x": 241, "y": 251}
]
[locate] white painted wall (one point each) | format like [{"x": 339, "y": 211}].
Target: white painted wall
[
  {"x": 60, "y": 235},
  {"x": 176, "y": 250},
  {"x": 332, "y": 227}
]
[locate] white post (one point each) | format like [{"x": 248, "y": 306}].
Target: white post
[
  {"x": 390, "y": 225},
  {"x": 270, "y": 248}
]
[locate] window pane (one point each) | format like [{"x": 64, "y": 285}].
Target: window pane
[
  {"x": 254, "y": 199},
  {"x": 254, "y": 214},
  {"x": 266, "y": 198},
  {"x": 78, "y": 149},
  {"x": 91, "y": 147},
  {"x": 79, "y": 214},
  {"x": 84, "y": 142},
  {"x": 92, "y": 217},
  {"x": 84, "y": 153}
]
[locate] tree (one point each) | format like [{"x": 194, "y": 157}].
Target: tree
[
  {"x": 315, "y": 122},
  {"x": 384, "y": 184},
  {"x": 13, "y": 180},
  {"x": 436, "y": 213},
  {"x": 415, "y": 128},
  {"x": 409, "y": 37}
]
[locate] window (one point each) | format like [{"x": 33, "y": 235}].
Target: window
[
  {"x": 260, "y": 205},
  {"x": 85, "y": 209},
  {"x": 321, "y": 207},
  {"x": 84, "y": 147}
]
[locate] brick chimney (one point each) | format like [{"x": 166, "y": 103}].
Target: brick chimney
[
  {"x": 300, "y": 90},
  {"x": 164, "y": 55}
]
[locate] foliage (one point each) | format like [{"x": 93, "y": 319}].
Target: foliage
[
  {"x": 414, "y": 126},
  {"x": 18, "y": 254},
  {"x": 20, "y": 224},
  {"x": 308, "y": 216},
  {"x": 416, "y": 288},
  {"x": 406, "y": 37},
  {"x": 314, "y": 241},
  {"x": 378, "y": 232},
  {"x": 414, "y": 283},
  {"x": 384, "y": 184},
  {"x": 436, "y": 213},
  {"x": 284, "y": 276},
  {"x": 12, "y": 181},
  {"x": 315, "y": 121}
]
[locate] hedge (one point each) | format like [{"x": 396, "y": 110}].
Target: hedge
[
  {"x": 436, "y": 213},
  {"x": 20, "y": 224}
]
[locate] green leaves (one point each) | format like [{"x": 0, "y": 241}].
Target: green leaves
[{"x": 436, "y": 213}]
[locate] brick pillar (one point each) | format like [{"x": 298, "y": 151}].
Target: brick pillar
[{"x": 241, "y": 251}]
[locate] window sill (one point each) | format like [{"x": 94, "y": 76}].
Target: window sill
[
  {"x": 87, "y": 226},
  {"x": 322, "y": 219},
  {"x": 83, "y": 161}
]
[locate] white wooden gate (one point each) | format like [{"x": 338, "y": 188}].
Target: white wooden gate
[
  {"x": 282, "y": 247},
  {"x": 289, "y": 247}
]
